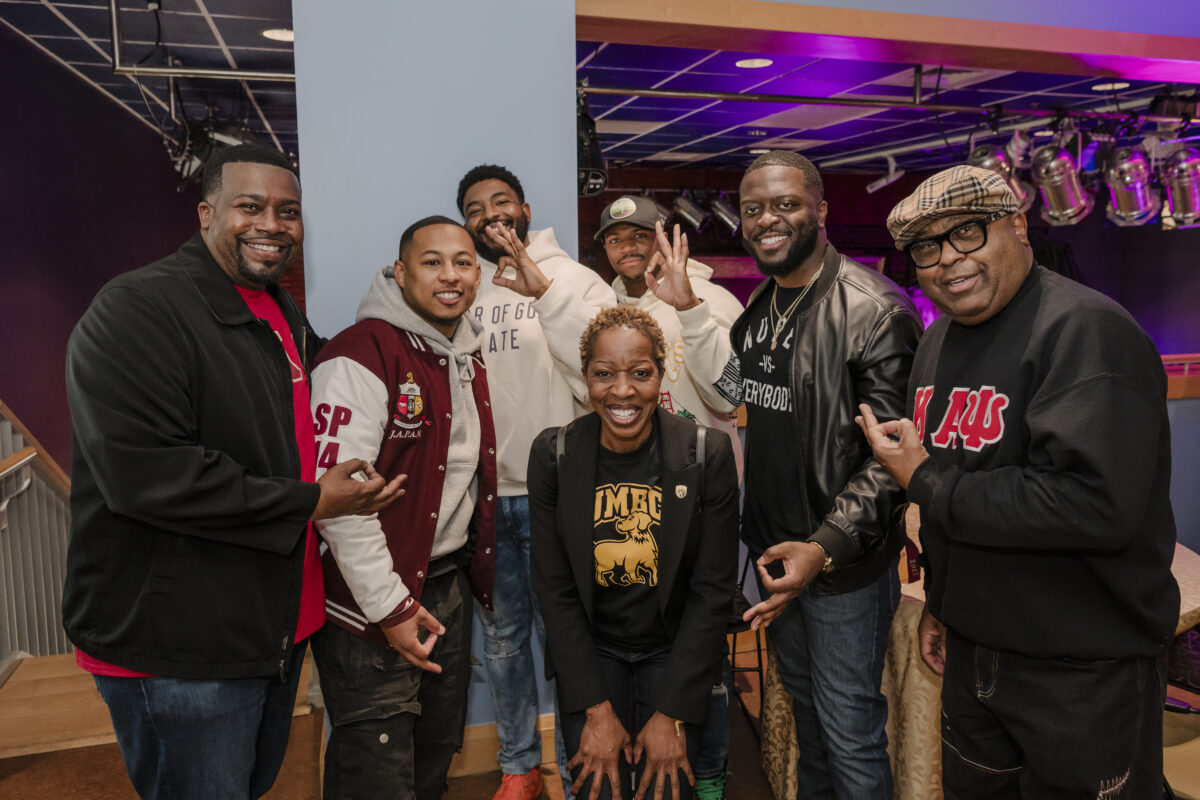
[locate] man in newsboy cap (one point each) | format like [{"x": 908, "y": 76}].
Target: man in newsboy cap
[{"x": 1037, "y": 447}]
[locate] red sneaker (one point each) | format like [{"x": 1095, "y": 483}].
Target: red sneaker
[{"x": 520, "y": 787}]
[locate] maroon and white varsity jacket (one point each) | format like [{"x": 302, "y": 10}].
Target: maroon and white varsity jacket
[{"x": 395, "y": 392}]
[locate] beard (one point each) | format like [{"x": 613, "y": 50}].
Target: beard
[
  {"x": 484, "y": 248},
  {"x": 263, "y": 276},
  {"x": 804, "y": 244}
]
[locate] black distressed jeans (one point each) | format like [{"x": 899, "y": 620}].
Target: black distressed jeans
[
  {"x": 395, "y": 726},
  {"x": 1031, "y": 728}
]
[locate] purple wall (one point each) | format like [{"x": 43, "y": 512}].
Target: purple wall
[
  {"x": 1154, "y": 274},
  {"x": 86, "y": 192}
]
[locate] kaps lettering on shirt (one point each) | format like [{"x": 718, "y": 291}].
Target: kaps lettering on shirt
[{"x": 974, "y": 417}]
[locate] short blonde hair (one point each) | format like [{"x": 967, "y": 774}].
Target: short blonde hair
[{"x": 624, "y": 317}]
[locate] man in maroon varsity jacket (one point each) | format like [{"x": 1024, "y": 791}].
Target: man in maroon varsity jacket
[{"x": 406, "y": 385}]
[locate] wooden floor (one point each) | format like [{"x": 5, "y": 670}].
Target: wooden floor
[{"x": 54, "y": 699}]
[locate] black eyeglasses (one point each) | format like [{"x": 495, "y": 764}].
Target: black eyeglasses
[{"x": 966, "y": 237}]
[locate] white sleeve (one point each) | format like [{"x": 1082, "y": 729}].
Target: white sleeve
[
  {"x": 575, "y": 296},
  {"x": 350, "y": 406},
  {"x": 706, "y": 345}
]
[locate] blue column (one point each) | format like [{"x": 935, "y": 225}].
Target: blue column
[{"x": 397, "y": 100}]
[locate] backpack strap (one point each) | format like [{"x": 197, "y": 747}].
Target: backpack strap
[{"x": 701, "y": 435}]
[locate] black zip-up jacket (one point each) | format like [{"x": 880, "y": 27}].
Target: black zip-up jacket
[
  {"x": 187, "y": 511},
  {"x": 854, "y": 344}
]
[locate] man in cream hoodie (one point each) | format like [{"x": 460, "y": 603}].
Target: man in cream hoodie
[
  {"x": 405, "y": 387},
  {"x": 533, "y": 303}
]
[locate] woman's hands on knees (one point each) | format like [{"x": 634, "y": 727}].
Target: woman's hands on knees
[
  {"x": 604, "y": 737},
  {"x": 664, "y": 745}
]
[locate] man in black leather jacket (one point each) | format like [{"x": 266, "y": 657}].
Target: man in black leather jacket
[{"x": 818, "y": 336}]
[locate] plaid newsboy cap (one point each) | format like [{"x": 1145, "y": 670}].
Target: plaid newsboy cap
[{"x": 959, "y": 190}]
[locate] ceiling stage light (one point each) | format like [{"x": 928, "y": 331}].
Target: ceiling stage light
[
  {"x": 753, "y": 63},
  {"x": 1057, "y": 176},
  {"x": 1128, "y": 175},
  {"x": 996, "y": 158},
  {"x": 592, "y": 174},
  {"x": 1181, "y": 176},
  {"x": 280, "y": 34},
  {"x": 893, "y": 174}
]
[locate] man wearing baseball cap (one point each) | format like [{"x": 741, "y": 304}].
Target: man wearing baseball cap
[
  {"x": 1037, "y": 447},
  {"x": 656, "y": 275}
]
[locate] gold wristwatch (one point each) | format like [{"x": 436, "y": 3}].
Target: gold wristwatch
[{"x": 827, "y": 567}]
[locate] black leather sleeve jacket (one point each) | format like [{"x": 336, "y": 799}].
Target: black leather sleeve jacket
[
  {"x": 855, "y": 344},
  {"x": 188, "y": 512}
]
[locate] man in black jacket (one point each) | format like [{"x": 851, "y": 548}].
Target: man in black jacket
[
  {"x": 193, "y": 579},
  {"x": 1038, "y": 449},
  {"x": 819, "y": 336}
]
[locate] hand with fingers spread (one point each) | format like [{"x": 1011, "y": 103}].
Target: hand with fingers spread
[
  {"x": 895, "y": 444},
  {"x": 801, "y": 561},
  {"x": 405, "y": 638},
  {"x": 529, "y": 280},
  {"x": 671, "y": 284},
  {"x": 931, "y": 635},
  {"x": 342, "y": 494},
  {"x": 665, "y": 748},
  {"x": 603, "y": 741}
]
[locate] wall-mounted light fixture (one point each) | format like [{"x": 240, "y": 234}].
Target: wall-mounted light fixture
[
  {"x": 664, "y": 213},
  {"x": 726, "y": 213},
  {"x": 1057, "y": 176},
  {"x": 1128, "y": 175},
  {"x": 692, "y": 214}
]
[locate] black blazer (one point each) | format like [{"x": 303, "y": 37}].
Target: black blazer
[{"x": 697, "y": 562}]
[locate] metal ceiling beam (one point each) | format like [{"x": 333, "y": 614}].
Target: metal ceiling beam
[
  {"x": 925, "y": 144},
  {"x": 856, "y": 102},
  {"x": 114, "y": 13}
]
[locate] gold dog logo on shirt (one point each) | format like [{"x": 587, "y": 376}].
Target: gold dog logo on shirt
[{"x": 634, "y": 512}]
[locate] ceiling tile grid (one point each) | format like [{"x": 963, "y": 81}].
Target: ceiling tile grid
[{"x": 674, "y": 132}]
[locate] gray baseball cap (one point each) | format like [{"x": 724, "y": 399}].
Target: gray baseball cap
[{"x": 639, "y": 212}]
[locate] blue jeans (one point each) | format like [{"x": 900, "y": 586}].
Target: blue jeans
[
  {"x": 632, "y": 680},
  {"x": 830, "y": 652},
  {"x": 713, "y": 752},
  {"x": 1040, "y": 728},
  {"x": 201, "y": 739},
  {"x": 508, "y": 653}
]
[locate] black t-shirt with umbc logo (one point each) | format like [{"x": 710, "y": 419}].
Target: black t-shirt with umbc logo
[
  {"x": 627, "y": 515},
  {"x": 774, "y": 506}
]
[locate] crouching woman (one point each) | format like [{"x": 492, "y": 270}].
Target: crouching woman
[{"x": 633, "y": 521}]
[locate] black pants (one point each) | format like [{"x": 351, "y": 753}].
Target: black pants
[
  {"x": 395, "y": 726},
  {"x": 633, "y": 679},
  {"x": 1020, "y": 727}
]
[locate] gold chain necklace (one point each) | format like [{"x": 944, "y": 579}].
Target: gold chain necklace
[{"x": 778, "y": 321}]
